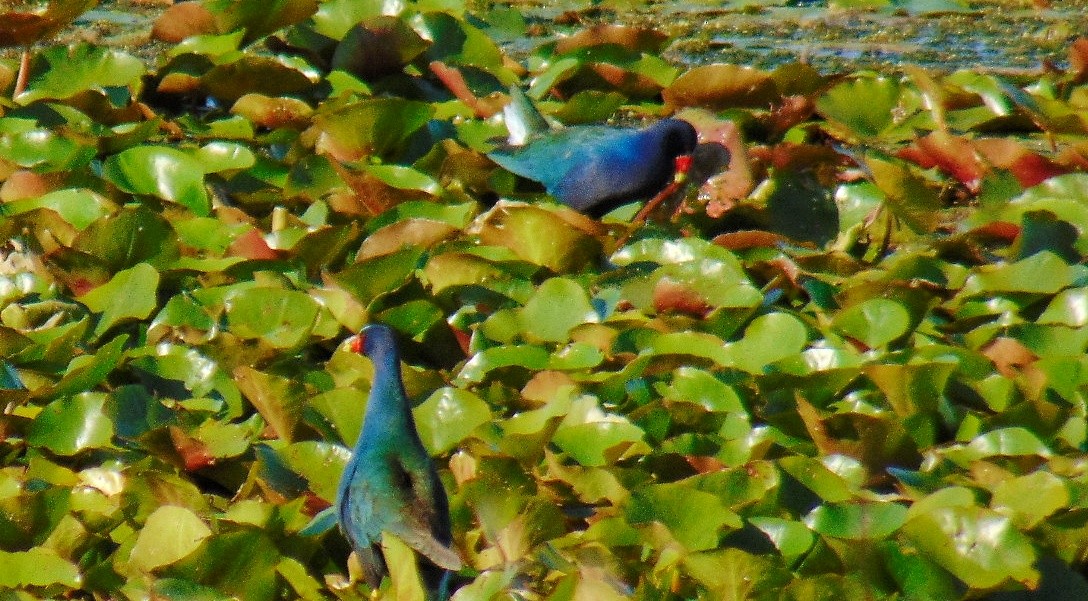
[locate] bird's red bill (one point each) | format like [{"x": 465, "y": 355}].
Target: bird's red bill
[
  {"x": 682, "y": 166},
  {"x": 356, "y": 343}
]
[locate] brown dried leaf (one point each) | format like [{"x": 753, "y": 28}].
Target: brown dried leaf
[{"x": 181, "y": 21}]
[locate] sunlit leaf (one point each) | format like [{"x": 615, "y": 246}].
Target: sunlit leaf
[
  {"x": 169, "y": 534},
  {"x": 73, "y": 424},
  {"x": 163, "y": 172},
  {"x": 131, "y": 294}
]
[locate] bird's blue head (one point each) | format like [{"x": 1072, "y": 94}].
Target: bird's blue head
[{"x": 374, "y": 340}]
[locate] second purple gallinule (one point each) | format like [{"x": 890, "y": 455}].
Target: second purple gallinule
[{"x": 596, "y": 168}]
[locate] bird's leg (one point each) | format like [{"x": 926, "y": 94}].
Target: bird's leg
[{"x": 683, "y": 164}]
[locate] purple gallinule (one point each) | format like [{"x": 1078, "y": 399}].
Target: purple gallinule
[
  {"x": 390, "y": 485},
  {"x": 595, "y": 168}
]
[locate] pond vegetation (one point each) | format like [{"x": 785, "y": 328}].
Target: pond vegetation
[{"x": 847, "y": 360}]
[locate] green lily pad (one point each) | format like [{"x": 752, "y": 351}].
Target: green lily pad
[
  {"x": 37, "y": 567},
  {"x": 857, "y": 521},
  {"x": 169, "y": 534},
  {"x": 163, "y": 172},
  {"x": 978, "y": 546},
  {"x": 449, "y": 416},
  {"x": 281, "y": 318},
  {"x": 131, "y": 294},
  {"x": 72, "y": 424}
]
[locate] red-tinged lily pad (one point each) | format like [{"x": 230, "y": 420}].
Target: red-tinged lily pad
[
  {"x": 561, "y": 240},
  {"x": 183, "y": 20},
  {"x": 606, "y": 77},
  {"x": 21, "y": 29},
  {"x": 718, "y": 87},
  {"x": 194, "y": 453},
  {"x": 423, "y": 233},
  {"x": 952, "y": 154},
  {"x": 272, "y": 112},
  {"x": 255, "y": 75},
  {"x": 630, "y": 38},
  {"x": 278, "y": 399},
  {"x": 378, "y": 47},
  {"x": 1030, "y": 168}
]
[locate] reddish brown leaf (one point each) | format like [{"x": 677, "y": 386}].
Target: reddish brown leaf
[
  {"x": 721, "y": 188},
  {"x": 791, "y": 111},
  {"x": 676, "y": 297},
  {"x": 998, "y": 231},
  {"x": 1075, "y": 156},
  {"x": 1028, "y": 167},
  {"x": 194, "y": 453},
  {"x": 314, "y": 504},
  {"x": 21, "y": 29},
  {"x": 181, "y": 21},
  {"x": 370, "y": 196},
  {"x": 1078, "y": 60},
  {"x": 178, "y": 83},
  {"x": 451, "y": 77},
  {"x": 953, "y": 155},
  {"x": 273, "y": 113},
  {"x": 631, "y": 38},
  {"x": 721, "y": 86},
  {"x": 749, "y": 239},
  {"x": 703, "y": 464},
  {"x": 543, "y": 386},
  {"x": 608, "y": 77},
  {"x": 251, "y": 246},
  {"x": 25, "y": 184},
  {"x": 1009, "y": 356}
]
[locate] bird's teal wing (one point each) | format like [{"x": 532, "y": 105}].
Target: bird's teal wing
[
  {"x": 362, "y": 527},
  {"x": 424, "y": 511}
]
